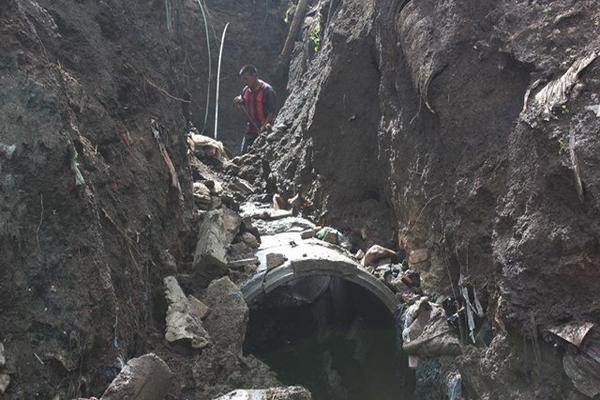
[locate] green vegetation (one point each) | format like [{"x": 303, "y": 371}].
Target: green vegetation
[
  {"x": 547, "y": 9},
  {"x": 563, "y": 144},
  {"x": 315, "y": 38},
  {"x": 565, "y": 109},
  {"x": 596, "y": 20}
]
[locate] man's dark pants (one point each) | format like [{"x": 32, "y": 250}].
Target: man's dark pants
[{"x": 248, "y": 141}]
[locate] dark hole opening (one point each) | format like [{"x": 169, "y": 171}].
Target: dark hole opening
[{"x": 332, "y": 336}]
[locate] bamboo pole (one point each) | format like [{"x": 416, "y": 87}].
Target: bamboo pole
[
  {"x": 219, "y": 81},
  {"x": 294, "y": 29}
]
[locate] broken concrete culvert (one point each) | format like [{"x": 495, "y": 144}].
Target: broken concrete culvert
[{"x": 463, "y": 133}]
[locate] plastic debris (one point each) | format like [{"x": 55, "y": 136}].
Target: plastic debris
[
  {"x": 455, "y": 387},
  {"x": 208, "y": 146},
  {"x": 556, "y": 92},
  {"x": 333, "y": 236},
  {"x": 79, "y": 180}
]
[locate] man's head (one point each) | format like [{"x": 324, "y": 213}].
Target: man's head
[{"x": 249, "y": 75}]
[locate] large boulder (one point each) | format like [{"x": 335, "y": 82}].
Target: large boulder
[
  {"x": 281, "y": 393},
  {"x": 184, "y": 323},
  {"x": 229, "y": 315},
  {"x": 144, "y": 378},
  {"x": 216, "y": 232}
]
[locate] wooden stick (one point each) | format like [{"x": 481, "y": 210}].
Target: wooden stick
[{"x": 294, "y": 29}]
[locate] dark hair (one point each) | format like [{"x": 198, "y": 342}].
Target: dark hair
[{"x": 248, "y": 69}]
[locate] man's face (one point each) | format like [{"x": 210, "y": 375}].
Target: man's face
[{"x": 249, "y": 80}]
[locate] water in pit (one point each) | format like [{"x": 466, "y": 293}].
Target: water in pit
[{"x": 331, "y": 336}]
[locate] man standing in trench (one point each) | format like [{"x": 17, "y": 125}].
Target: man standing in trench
[{"x": 257, "y": 102}]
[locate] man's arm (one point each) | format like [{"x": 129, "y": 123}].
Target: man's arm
[{"x": 270, "y": 108}]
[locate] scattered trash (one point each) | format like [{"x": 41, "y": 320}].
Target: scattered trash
[
  {"x": 280, "y": 393},
  {"x": 455, "y": 387},
  {"x": 556, "y": 92},
  {"x": 7, "y": 151},
  {"x": 146, "y": 377},
  {"x": 472, "y": 305},
  {"x": 79, "y": 180},
  {"x": 333, "y": 236},
  {"x": 417, "y": 317},
  {"x": 205, "y": 146},
  {"x": 157, "y": 131}
]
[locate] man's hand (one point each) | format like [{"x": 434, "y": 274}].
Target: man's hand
[
  {"x": 238, "y": 101},
  {"x": 266, "y": 128}
]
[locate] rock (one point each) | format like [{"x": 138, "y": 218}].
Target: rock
[
  {"x": 250, "y": 240},
  {"x": 183, "y": 321},
  {"x": 210, "y": 257},
  {"x": 282, "y": 393},
  {"x": 418, "y": 256},
  {"x": 241, "y": 185},
  {"x": 197, "y": 307},
  {"x": 376, "y": 253},
  {"x": 143, "y": 378},
  {"x": 274, "y": 260},
  {"x": 2, "y": 356},
  {"x": 231, "y": 222},
  {"x": 359, "y": 255},
  {"x": 229, "y": 314},
  {"x": 202, "y": 195},
  {"x": 4, "y": 382},
  {"x": 310, "y": 233}
]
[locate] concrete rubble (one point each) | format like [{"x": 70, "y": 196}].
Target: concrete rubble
[
  {"x": 184, "y": 318},
  {"x": 282, "y": 393},
  {"x": 210, "y": 257},
  {"x": 226, "y": 323},
  {"x": 144, "y": 378}
]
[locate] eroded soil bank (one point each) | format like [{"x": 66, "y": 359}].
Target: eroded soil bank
[{"x": 432, "y": 127}]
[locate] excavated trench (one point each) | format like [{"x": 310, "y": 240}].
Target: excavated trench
[{"x": 332, "y": 336}]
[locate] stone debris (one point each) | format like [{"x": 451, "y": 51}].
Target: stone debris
[
  {"x": 227, "y": 321},
  {"x": 376, "y": 253},
  {"x": 198, "y": 307},
  {"x": 183, "y": 318},
  {"x": 310, "y": 233},
  {"x": 232, "y": 223},
  {"x": 418, "y": 256},
  {"x": 573, "y": 332},
  {"x": 202, "y": 196},
  {"x": 250, "y": 240},
  {"x": 282, "y": 393},
  {"x": 144, "y": 378},
  {"x": 210, "y": 256},
  {"x": 275, "y": 260},
  {"x": 4, "y": 382}
]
